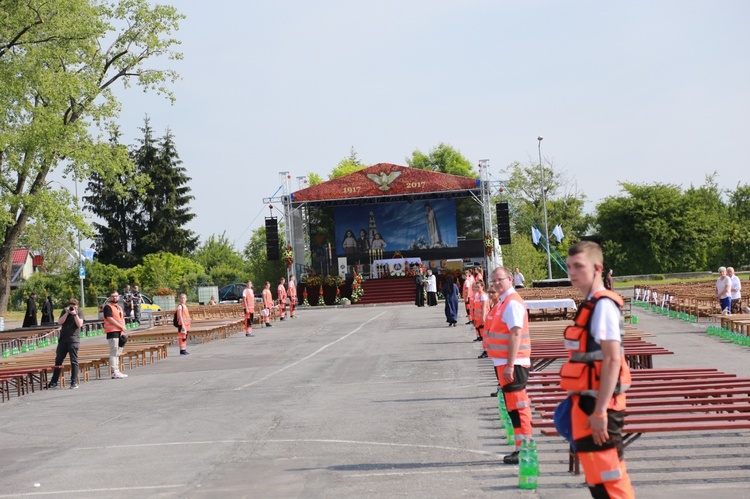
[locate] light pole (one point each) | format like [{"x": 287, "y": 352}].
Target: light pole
[
  {"x": 80, "y": 255},
  {"x": 544, "y": 208}
]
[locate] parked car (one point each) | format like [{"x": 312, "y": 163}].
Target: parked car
[
  {"x": 147, "y": 305},
  {"x": 231, "y": 293}
]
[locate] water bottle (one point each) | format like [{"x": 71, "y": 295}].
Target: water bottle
[
  {"x": 500, "y": 404},
  {"x": 528, "y": 471},
  {"x": 509, "y": 429},
  {"x": 6, "y": 353}
]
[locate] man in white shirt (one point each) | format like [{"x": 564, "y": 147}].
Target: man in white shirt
[
  {"x": 431, "y": 287},
  {"x": 735, "y": 291},
  {"x": 518, "y": 280}
]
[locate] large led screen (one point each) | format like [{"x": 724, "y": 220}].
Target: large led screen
[{"x": 396, "y": 226}]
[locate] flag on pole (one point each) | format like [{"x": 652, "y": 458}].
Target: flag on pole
[
  {"x": 535, "y": 235},
  {"x": 558, "y": 233}
]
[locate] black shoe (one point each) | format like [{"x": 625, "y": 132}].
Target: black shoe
[
  {"x": 51, "y": 385},
  {"x": 477, "y": 339},
  {"x": 184, "y": 352},
  {"x": 469, "y": 322},
  {"x": 73, "y": 386},
  {"x": 268, "y": 324},
  {"x": 281, "y": 319},
  {"x": 494, "y": 394},
  {"x": 250, "y": 335},
  {"x": 511, "y": 458},
  {"x": 484, "y": 354}
]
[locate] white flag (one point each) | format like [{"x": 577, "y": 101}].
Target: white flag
[
  {"x": 535, "y": 235},
  {"x": 558, "y": 233}
]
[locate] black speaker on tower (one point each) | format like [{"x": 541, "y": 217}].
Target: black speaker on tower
[
  {"x": 503, "y": 223},
  {"x": 272, "y": 238}
]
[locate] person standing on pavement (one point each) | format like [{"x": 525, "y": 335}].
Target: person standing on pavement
[
  {"x": 292, "y": 293},
  {"x": 114, "y": 326},
  {"x": 450, "y": 292},
  {"x": 29, "y": 319},
  {"x": 127, "y": 301},
  {"x": 735, "y": 291},
  {"x": 481, "y": 305},
  {"x": 137, "y": 299},
  {"x": 468, "y": 290},
  {"x": 596, "y": 376},
  {"x": 724, "y": 291},
  {"x": 71, "y": 321},
  {"x": 267, "y": 303},
  {"x": 419, "y": 289},
  {"x": 183, "y": 321},
  {"x": 431, "y": 287},
  {"x": 519, "y": 282},
  {"x": 509, "y": 346},
  {"x": 48, "y": 311},
  {"x": 248, "y": 306},
  {"x": 281, "y": 296}
]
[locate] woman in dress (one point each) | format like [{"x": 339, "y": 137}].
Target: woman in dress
[
  {"x": 349, "y": 243},
  {"x": 450, "y": 292}
]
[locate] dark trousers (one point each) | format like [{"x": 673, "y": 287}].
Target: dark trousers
[
  {"x": 66, "y": 348},
  {"x": 431, "y": 298}
]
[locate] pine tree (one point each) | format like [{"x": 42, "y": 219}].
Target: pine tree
[{"x": 166, "y": 202}]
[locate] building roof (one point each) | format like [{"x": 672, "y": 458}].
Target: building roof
[
  {"x": 386, "y": 181},
  {"x": 20, "y": 255}
]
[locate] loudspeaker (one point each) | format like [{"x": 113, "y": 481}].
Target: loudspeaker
[
  {"x": 272, "y": 238},
  {"x": 503, "y": 223}
]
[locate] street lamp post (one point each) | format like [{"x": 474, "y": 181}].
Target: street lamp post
[
  {"x": 80, "y": 255},
  {"x": 544, "y": 208}
]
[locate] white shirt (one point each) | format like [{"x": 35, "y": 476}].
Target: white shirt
[
  {"x": 736, "y": 285},
  {"x": 431, "y": 284},
  {"x": 606, "y": 321},
  {"x": 518, "y": 280},
  {"x": 721, "y": 285}
]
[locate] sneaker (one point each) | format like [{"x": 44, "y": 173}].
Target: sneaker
[
  {"x": 184, "y": 352},
  {"x": 511, "y": 458},
  {"x": 494, "y": 394},
  {"x": 293, "y": 316},
  {"x": 73, "y": 386},
  {"x": 268, "y": 324},
  {"x": 250, "y": 335},
  {"x": 483, "y": 355},
  {"x": 477, "y": 339},
  {"x": 282, "y": 319},
  {"x": 119, "y": 375},
  {"x": 51, "y": 385},
  {"x": 469, "y": 322}
]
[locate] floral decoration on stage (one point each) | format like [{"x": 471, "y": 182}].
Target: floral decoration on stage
[
  {"x": 289, "y": 257},
  {"x": 489, "y": 244},
  {"x": 304, "y": 298},
  {"x": 357, "y": 291}
]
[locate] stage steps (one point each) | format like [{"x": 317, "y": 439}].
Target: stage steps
[{"x": 388, "y": 290}]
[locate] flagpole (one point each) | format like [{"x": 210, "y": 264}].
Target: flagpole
[{"x": 544, "y": 206}]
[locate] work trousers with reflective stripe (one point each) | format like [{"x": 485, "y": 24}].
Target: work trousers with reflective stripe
[
  {"x": 517, "y": 401},
  {"x": 603, "y": 465}
]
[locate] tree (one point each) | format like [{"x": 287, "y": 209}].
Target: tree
[
  {"x": 166, "y": 270},
  {"x": 737, "y": 242},
  {"x": 164, "y": 207},
  {"x": 258, "y": 266},
  {"x": 221, "y": 261},
  {"x": 314, "y": 179},
  {"x": 346, "y": 166},
  {"x": 59, "y": 63},
  {"x": 443, "y": 159},
  {"x": 114, "y": 199}
]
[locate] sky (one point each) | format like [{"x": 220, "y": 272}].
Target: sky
[{"x": 637, "y": 91}]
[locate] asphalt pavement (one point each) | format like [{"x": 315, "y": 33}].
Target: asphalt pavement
[{"x": 382, "y": 401}]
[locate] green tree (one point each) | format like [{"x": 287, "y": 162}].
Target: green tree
[
  {"x": 166, "y": 270},
  {"x": 59, "y": 64},
  {"x": 221, "y": 261},
  {"x": 165, "y": 205},
  {"x": 314, "y": 179},
  {"x": 443, "y": 159},
  {"x": 346, "y": 166},
  {"x": 737, "y": 242},
  {"x": 259, "y": 268}
]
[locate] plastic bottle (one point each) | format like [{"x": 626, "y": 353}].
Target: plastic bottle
[{"x": 528, "y": 471}]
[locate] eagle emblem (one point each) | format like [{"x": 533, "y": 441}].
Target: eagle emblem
[{"x": 383, "y": 180}]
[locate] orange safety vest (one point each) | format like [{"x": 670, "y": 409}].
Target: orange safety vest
[
  {"x": 248, "y": 300},
  {"x": 183, "y": 318},
  {"x": 117, "y": 314},
  {"x": 498, "y": 334},
  {"x": 582, "y": 372},
  {"x": 480, "y": 308},
  {"x": 467, "y": 289},
  {"x": 292, "y": 293},
  {"x": 281, "y": 293}
]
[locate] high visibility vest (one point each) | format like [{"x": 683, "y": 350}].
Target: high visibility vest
[
  {"x": 267, "y": 298},
  {"x": 467, "y": 288},
  {"x": 582, "y": 372},
  {"x": 183, "y": 316},
  {"x": 118, "y": 314},
  {"x": 292, "y": 292},
  {"x": 248, "y": 300},
  {"x": 479, "y": 308},
  {"x": 498, "y": 333}
]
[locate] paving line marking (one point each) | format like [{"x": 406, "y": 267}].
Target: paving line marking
[
  {"x": 316, "y": 352},
  {"x": 289, "y": 440},
  {"x": 85, "y": 491}
]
